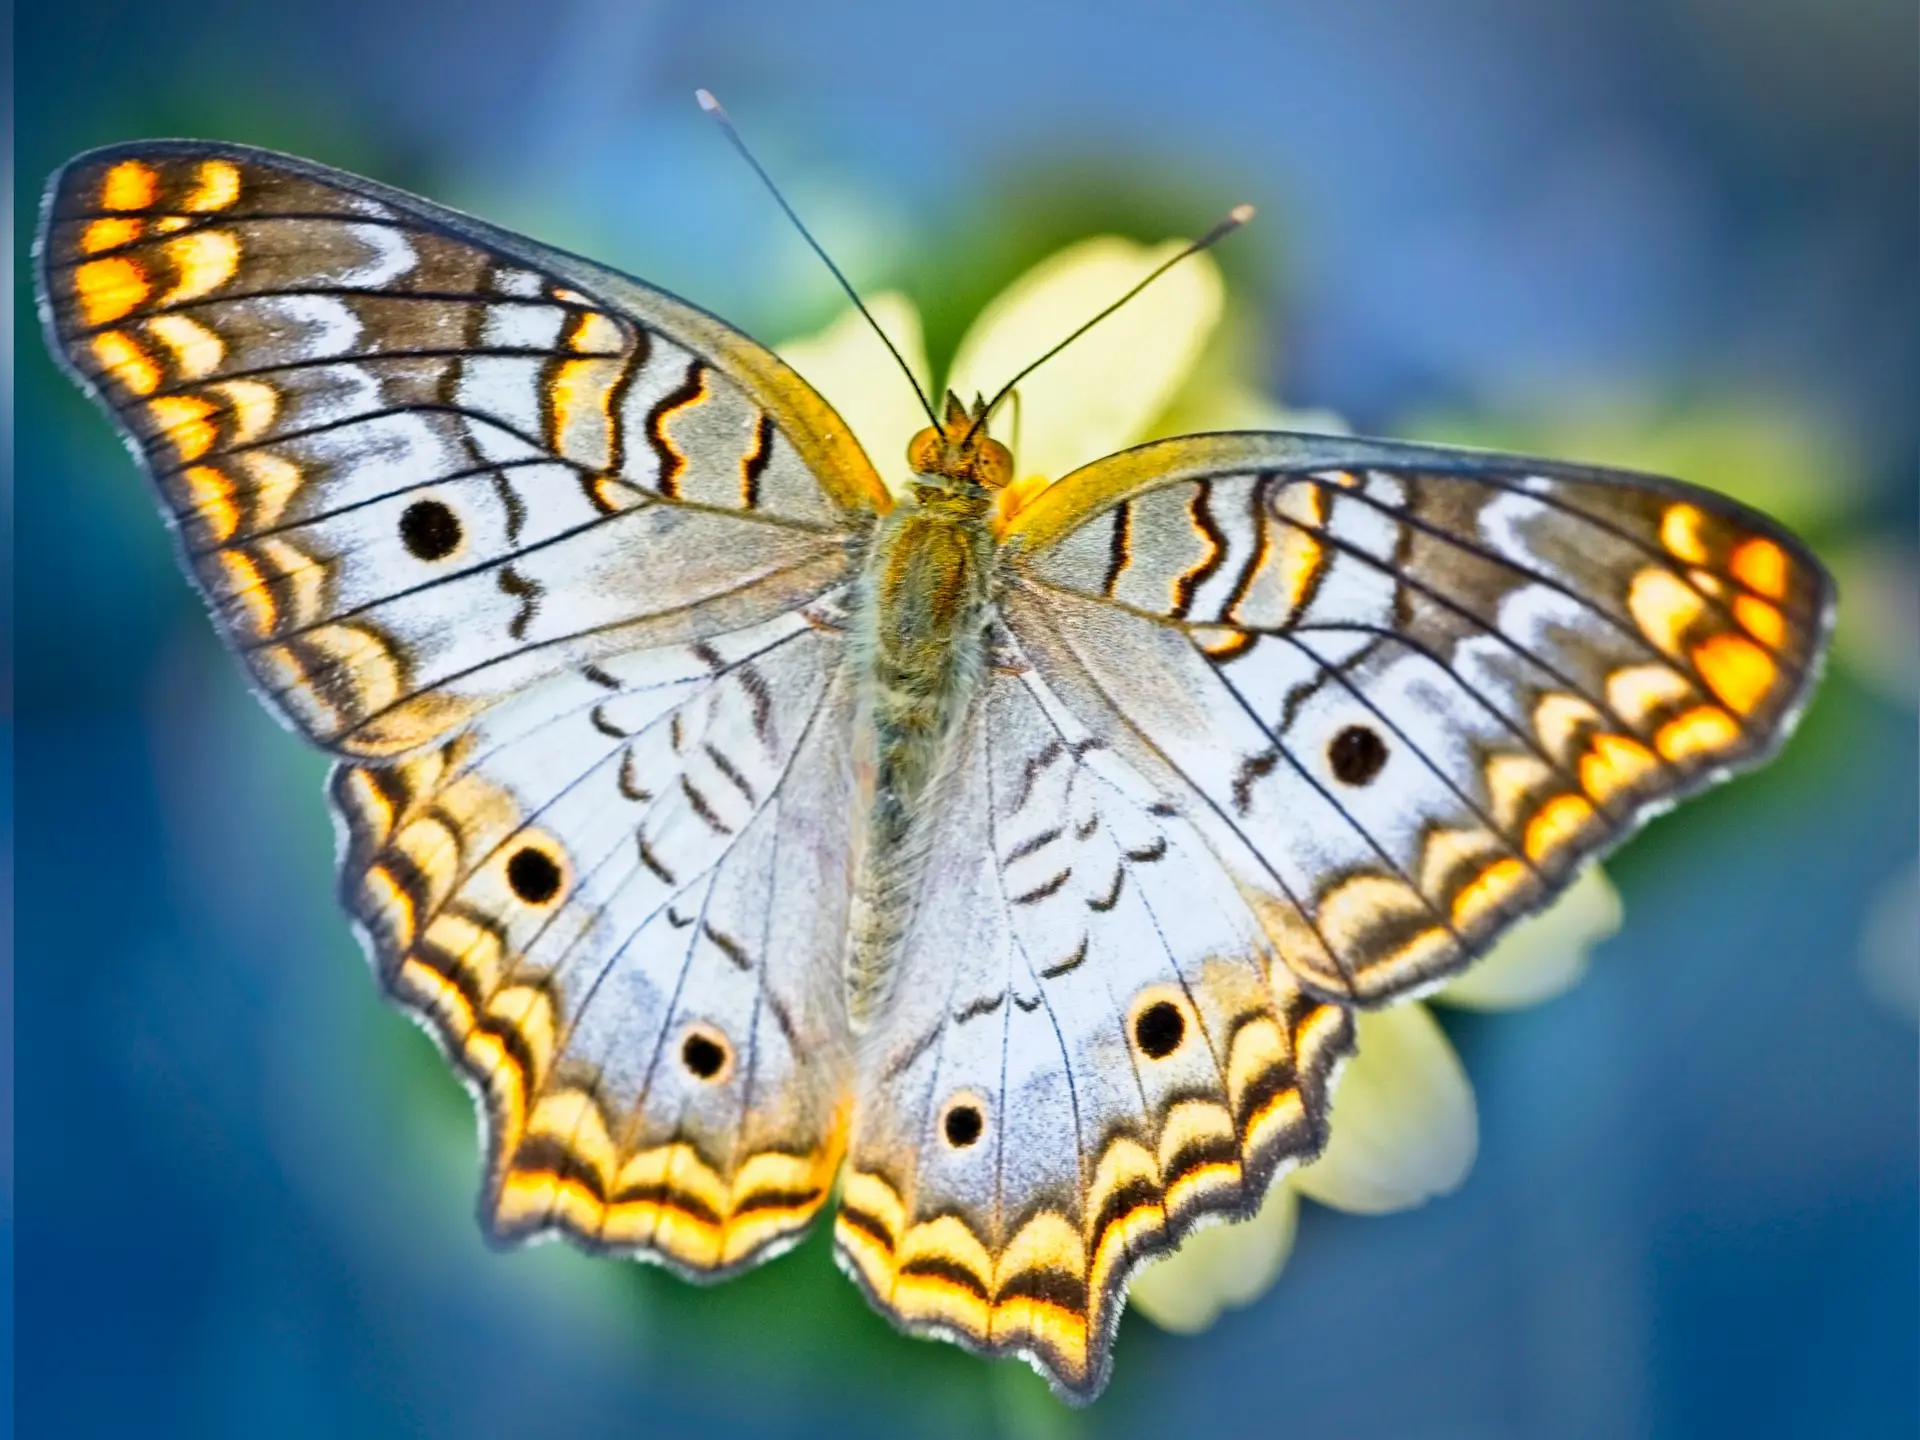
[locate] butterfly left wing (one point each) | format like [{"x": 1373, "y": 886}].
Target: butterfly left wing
[
  {"x": 1088, "y": 1045},
  {"x": 1409, "y": 690}
]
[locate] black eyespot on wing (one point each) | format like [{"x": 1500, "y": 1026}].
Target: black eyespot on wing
[
  {"x": 963, "y": 1125},
  {"x": 703, "y": 1055},
  {"x": 1159, "y": 1029},
  {"x": 429, "y": 530},
  {"x": 533, "y": 874},
  {"x": 1357, "y": 754}
]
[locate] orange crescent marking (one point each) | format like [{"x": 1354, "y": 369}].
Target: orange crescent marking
[
  {"x": 120, "y": 357},
  {"x": 219, "y": 186},
  {"x": 1488, "y": 889},
  {"x": 1663, "y": 606},
  {"x": 1702, "y": 730},
  {"x": 1613, "y": 764},
  {"x": 109, "y": 233},
  {"x": 197, "y": 351},
  {"x": 110, "y": 288},
  {"x": 1680, "y": 533},
  {"x": 211, "y": 494},
  {"x": 183, "y": 419},
  {"x": 1738, "y": 671},
  {"x": 128, "y": 186},
  {"x": 250, "y": 588},
  {"x": 1559, "y": 820},
  {"x": 204, "y": 260},
  {"x": 1762, "y": 621},
  {"x": 1761, "y": 565}
]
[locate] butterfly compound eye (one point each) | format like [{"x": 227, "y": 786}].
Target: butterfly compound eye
[
  {"x": 429, "y": 530},
  {"x": 1357, "y": 754}
]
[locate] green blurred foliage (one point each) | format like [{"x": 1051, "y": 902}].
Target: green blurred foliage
[{"x": 1035, "y": 209}]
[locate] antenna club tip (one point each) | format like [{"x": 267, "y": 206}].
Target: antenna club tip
[
  {"x": 1240, "y": 214},
  {"x": 707, "y": 102}
]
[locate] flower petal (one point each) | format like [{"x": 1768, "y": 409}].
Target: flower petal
[
  {"x": 1219, "y": 1267},
  {"x": 847, "y": 363},
  {"x": 1403, "y": 1123},
  {"x": 1544, "y": 954},
  {"x": 1105, "y": 390}
]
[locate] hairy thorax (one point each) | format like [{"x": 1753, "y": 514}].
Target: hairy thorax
[{"x": 920, "y": 627}]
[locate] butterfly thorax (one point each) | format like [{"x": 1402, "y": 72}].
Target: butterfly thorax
[{"x": 921, "y": 624}]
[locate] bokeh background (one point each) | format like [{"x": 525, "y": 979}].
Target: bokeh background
[{"x": 1667, "y": 232}]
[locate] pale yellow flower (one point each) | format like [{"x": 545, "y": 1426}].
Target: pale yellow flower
[
  {"x": 1403, "y": 1126},
  {"x": 1101, "y": 395}
]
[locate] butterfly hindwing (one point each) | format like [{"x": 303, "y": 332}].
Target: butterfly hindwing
[
  {"x": 417, "y": 463},
  {"x": 1414, "y": 688},
  {"x": 619, "y": 901},
  {"x": 1088, "y": 1044}
]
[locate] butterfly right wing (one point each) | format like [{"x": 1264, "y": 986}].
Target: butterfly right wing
[
  {"x": 549, "y": 559},
  {"x": 417, "y": 463}
]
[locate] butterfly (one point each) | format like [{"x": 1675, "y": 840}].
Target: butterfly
[{"x": 746, "y": 833}]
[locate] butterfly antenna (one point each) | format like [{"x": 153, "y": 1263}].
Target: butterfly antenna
[
  {"x": 725, "y": 122},
  {"x": 1235, "y": 218}
]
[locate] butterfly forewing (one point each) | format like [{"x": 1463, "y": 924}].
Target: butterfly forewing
[
  {"x": 1413, "y": 689},
  {"x": 416, "y": 463}
]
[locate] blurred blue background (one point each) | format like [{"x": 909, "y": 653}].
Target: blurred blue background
[{"x": 1612, "y": 228}]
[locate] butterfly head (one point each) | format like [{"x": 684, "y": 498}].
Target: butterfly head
[{"x": 961, "y": 450}]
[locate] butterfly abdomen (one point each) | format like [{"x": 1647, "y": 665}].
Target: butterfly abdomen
[{"x": 920, "y": 633}]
